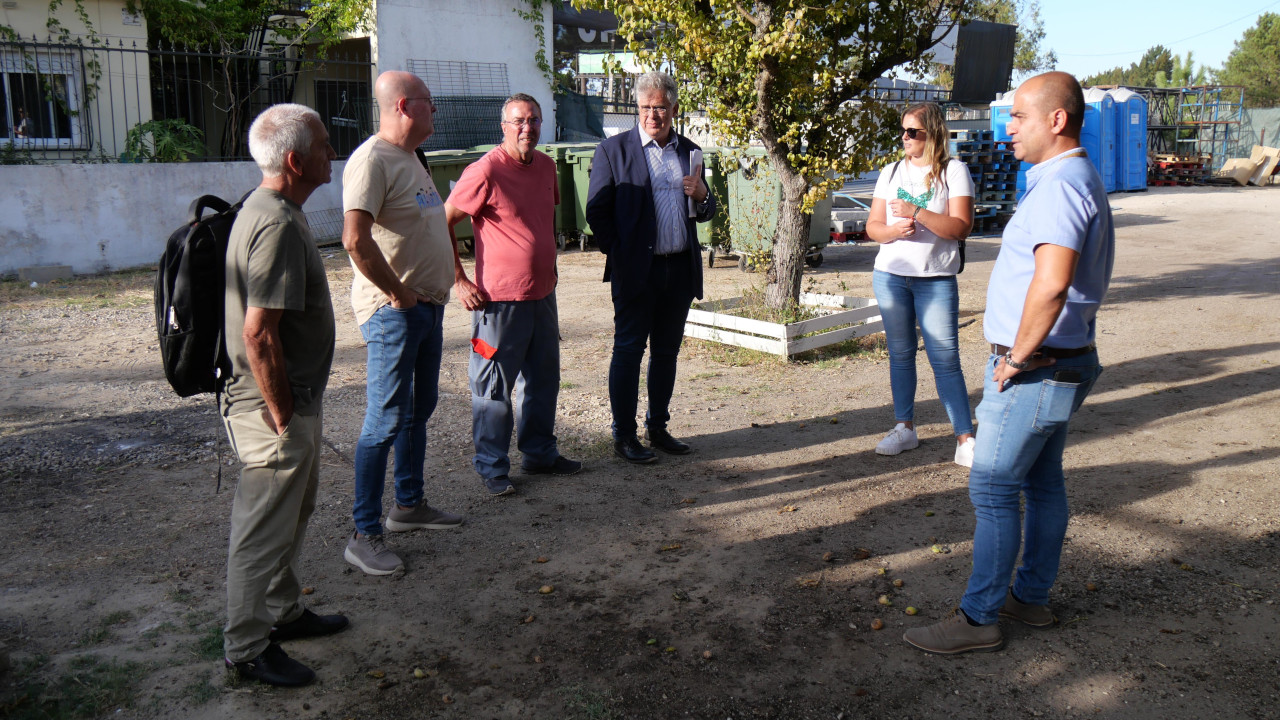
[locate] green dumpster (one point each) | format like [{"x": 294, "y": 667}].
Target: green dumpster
[
  {"x": 446, "y": 167},
  {"x": 580, "y": 162},
  {"x": 566, "y": 215},
  {"x": 755, "y": 194},
  {"x": 714, "y": 235}
]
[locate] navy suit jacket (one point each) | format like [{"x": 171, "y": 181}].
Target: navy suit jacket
[{"x": 621, "y": 213}]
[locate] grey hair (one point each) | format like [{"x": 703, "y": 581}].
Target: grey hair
[
  {"x": 657, "y": 80},
  {"x": 279, "y": 130},
  {"x": 520, "y": 97}
]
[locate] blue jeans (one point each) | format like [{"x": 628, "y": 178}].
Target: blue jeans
[
  {"x": 526, "y": 360},
  {"x": 935, "y": 303},
  {"x": 1021, "y": 435},
  {"x": 403, "y": 383},
  {"x": 655, "y": 315}
]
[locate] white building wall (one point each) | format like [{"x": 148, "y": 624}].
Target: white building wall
[
  {"x": 486, "y": 31},
  {"x": 109, "y": 217}
]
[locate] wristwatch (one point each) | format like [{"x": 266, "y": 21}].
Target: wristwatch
[{"x": 1008, "y": 360}]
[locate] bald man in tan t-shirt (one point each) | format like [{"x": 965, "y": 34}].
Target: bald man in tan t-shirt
[{"x": 402, "y": 251}]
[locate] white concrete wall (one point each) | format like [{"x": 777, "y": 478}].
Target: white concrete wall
[
  {"x": 109, "y": 217},
  {"x": 486, "y": 31}
]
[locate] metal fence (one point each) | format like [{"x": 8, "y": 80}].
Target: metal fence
[{"x": 123, "y": 103}]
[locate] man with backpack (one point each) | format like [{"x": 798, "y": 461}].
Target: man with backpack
[
  {"x": 280, "y": 339},
  {"x": 402, "y": 253}
]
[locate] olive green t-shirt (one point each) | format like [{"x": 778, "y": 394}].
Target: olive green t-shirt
[
  {"x": 273, "y": 263},
  {"x": 408, "y": 223}
]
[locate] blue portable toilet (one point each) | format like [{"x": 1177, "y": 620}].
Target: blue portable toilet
[
  {"x": 1131, "y": 139},
  {"x": 1098, "y": 136},
  {"x": 1000, "y": 109}
]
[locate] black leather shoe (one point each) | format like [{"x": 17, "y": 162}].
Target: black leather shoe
[
  {"x": 274, "y": 667},
  {"x": 308, "y": 625},
  {"x": 629, "y": 449},
  {"x": 662, "y": 440}
]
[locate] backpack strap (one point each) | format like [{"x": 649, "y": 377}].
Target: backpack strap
[{"x": 422, "y": 158}]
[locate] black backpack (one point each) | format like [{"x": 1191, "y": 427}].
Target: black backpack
[{"x": 190, "y": 288}]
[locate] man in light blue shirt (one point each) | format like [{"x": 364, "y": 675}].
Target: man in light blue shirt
[{"x": 1042, "y": 301}]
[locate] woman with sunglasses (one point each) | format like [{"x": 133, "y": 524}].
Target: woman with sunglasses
[{"x": 922, "y": 209}]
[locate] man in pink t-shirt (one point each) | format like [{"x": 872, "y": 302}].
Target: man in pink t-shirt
[{"x": 511, "y": 194}]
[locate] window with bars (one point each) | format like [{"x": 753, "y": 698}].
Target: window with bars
[{"x": 39, "y": 104}]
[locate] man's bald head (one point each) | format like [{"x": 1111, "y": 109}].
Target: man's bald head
[
  {"x": 1057, "y": 91},
  {"x": 393, "y": 85}
]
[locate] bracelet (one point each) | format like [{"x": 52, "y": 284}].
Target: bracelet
[
  {"x": 917, "y": 212},
  {"x": 1008, "y": 360}
]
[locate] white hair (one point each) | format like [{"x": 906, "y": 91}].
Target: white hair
[
  {"x": 279, "y": 130},
  {"x": 657, "y": 81}
]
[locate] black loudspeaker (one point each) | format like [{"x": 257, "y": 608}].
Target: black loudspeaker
[{"x": 984, "y": 61}]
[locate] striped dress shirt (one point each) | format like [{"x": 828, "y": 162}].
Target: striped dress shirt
[{"x": 668, "y": 194}]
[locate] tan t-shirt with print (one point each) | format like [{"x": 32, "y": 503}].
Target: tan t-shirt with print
[{"x": 408, "y": 223}]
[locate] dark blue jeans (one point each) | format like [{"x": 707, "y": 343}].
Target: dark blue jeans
[
  {"x": 655, "y": 316},
  {"x": 402, "y": 388}
]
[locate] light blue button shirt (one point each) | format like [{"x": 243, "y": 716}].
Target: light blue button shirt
[
  {"x": 668, "y": 194},
  {"x": 1065, "y": 204}
]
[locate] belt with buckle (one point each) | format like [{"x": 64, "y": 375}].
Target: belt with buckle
[{"x": 1051, "y": 352}]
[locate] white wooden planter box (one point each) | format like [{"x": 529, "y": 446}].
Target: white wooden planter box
[{"x": 859, "y": 316}]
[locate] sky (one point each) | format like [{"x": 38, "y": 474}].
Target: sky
[{"x": 1095, "y": 35}]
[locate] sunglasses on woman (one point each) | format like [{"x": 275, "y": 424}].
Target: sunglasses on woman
[{"x": 911, "y": 133}]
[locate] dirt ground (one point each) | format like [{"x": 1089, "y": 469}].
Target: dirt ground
[{"x": 741, "y": 581}]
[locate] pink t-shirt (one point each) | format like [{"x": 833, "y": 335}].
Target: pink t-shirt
[{"x": 512, "y": 208}]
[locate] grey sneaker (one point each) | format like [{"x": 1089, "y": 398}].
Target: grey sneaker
[
  {"x": 420, "y": 517},
  {"x": 370, "y": 554},
  {"x": 954, "y": 636},
  {"x": 1037, "y": 616}
]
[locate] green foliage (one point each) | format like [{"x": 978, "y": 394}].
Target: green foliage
[
  {"x": 1255, "y": 63},
  {"x": 13, "y": 154},
  {"x": 170, "y": 140},
  {"x": 786, "y": 73},
  {"x": 90, "y": 687},
  {"x": 1183, "y": 73},
  {"x": 1143, "y": 73},
  {"x": 228, "y": 24}
]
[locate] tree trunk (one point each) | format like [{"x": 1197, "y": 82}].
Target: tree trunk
[{"x": 790, "y": 241}]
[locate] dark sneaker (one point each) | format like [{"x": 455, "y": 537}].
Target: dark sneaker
[
  {"x": 420, "y": 517},
  {"x": 661, "y": 439},
  {"x": 954, "y": 636},
  {"x": 1037, "y": 616},
  {"x": 308, "y": 625},
  {"x": 629, "y": 449},
  {"x": 370, "y": 554},
  {"x": 500, "y": 485},
  {"x": 561, "y": 466},
  {"x": 274, "y": 667}
]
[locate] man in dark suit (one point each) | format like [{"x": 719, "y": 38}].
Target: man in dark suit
[{"x": 638, "y": 206}]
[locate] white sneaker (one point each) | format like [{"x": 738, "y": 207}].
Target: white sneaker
[
  {"x": 964, "y": 453},
  {"x": 899, "y": 438}
]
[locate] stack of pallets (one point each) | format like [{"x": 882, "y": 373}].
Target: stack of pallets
[
  {"x": 1178, "y": 169},
  {"x": 994, "y": 171}
]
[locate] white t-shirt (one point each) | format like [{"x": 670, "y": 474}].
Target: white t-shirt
[{"x": 923, "y": 254}]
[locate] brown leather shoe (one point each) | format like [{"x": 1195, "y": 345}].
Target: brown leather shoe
[
  {"x": 955, "y": 635},
  {"x": 1037, "y": 616}
]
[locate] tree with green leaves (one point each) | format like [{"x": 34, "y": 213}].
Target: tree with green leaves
[
  {"x": 1255, "y": 63},
  {"x": 1183, "y": 74},
  {"x": 1143, "y": 73},
  {"x": 795, "y": 77}
]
